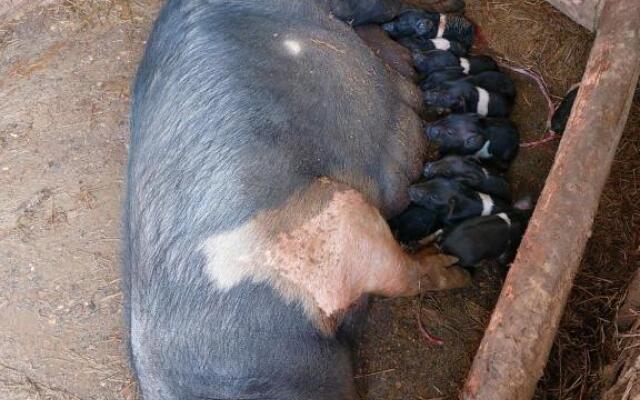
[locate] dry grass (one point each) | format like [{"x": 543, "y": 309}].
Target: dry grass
[
  {"x": 85, "y": 13},
  {"x": 532, "y": 34}
]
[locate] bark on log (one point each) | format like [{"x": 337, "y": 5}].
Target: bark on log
[
  {"x": 584, "y": 12},
  {"x": 516, "y": 345}
]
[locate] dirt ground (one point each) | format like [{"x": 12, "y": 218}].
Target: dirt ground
[{"x": 65, "y": 70}]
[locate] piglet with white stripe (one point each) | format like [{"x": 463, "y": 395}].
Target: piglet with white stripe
[
  {"x": 486, "y": 237},
  {"x": 463, "y": 96},
  {"x": 409, "y": 23},
  {"x": 421, "y": 44},
  {"x": 451, "y": 27},
  {"x": 473, "y": 65},
  {"x": 414, "y": 224},
  {"x": 453, "y": 201},
  {"x": 495, "y": 82},
  {"x": 431, "y": 25},
  {"x": 490, "y": 139},
  {"x": 428, "y": 62},
  {"x": 492, "y": 81},
  {"x": 436, "y": 60},
  {"x": 467, "y": 170},
  {"x": 437, "y": 78}
]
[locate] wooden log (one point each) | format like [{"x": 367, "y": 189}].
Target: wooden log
[
  {"x": 584, "y": 12},
  {"x": 516, "y": 345}
]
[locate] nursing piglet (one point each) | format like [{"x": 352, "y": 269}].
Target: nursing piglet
[
  {"x": 453, "y": 201},
  {"x": 467, "y": 170},
  {"x": 490, "y": 139},
  {"x": 486, "y": 237}
]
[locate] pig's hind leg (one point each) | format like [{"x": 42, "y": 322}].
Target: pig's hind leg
[
  {"x": 352, "y": 252},
  {"x": 378, "y": 263},
  {"x": 338, "y": 248}
]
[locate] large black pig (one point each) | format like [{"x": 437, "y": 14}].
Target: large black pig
[{"x": 268, "y": 145}]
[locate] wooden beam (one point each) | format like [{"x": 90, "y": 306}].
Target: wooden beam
[
  {"x": 584, "y": 12},
  {"x": 516, "y": 345}
]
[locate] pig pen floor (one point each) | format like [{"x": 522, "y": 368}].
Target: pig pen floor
[{"x": 65, "y": 69}]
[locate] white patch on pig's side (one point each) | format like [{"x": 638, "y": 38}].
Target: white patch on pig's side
[
  {"x": 484, "y": 170},
  {"x": 505, "y": 218},
  {"x": 317, "y": 257},
  {"x": 442, "y": 25},
  {"x": 230, "y": 256},
  {"x": 293, "y": 46},
  {"x": 441, "y": 44},
  {"x": 483, "y": 153},
  {"x": 466, "y": 66},
  {"x": 483, "y": 101},
  {"x": 487, "y": 204}
]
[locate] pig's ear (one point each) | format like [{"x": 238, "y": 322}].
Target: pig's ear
[{"x": 524, "y": 203}]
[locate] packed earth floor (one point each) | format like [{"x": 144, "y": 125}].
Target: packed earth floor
[{"x": 65, "y": 70}]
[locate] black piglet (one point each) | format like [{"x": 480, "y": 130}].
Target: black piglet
[
  {"x": 418, "y": 23},
  {"x": 436, "y": 60},
  {"x": 492, "y": 139},
  {"x": 486, "y": 237},
  {"x": 420, "y": 44}
]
